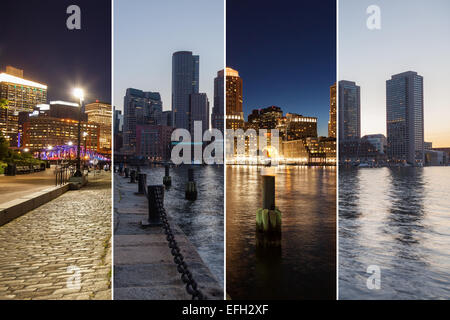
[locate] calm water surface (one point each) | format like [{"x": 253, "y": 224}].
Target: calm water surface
[
  {"x": 399, "y": 220},
  {"x": 304, "y": 266},
  {"x": 200, "y": 220}
]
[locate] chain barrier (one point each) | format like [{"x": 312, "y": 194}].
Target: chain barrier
[{"x": 186, "y": 275}]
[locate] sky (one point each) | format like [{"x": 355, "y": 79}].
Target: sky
[
  {"x": 414, "y": 36},
  {"x": 147, "y": 33},
  {"x": 285, "y": 52},
  {"x": 34, "y": 37}
]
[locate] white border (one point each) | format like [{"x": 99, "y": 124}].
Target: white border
[
  {"x": 224, "y": 154},
  {"x": 337, "y": 149},
  {"x": 112, "y": 148}
]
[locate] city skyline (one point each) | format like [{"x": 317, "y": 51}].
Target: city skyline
[
  {"x": 176, "y": 27},
  {"x": 289, "y": 60},
  {"x": 370, "y": 57}
]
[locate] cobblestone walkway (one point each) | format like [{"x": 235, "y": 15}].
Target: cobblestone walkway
[{"x": 62, "y": 249}]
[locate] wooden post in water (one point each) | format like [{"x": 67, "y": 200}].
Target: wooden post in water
[
  {"x": 191, "y": 188},
  {"x": 167, "y": 180},
  {"x": 268, "y": 218},
  {"x": 268, "y": 192}
]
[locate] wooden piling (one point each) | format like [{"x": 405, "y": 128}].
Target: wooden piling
[
  {"x": 191, "y": 187},
  {"x": 268, "y": 218},
  {"x": 167, "y": 179}
]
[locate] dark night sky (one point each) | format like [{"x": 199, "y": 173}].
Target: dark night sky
[
  {"x": 34, "y": 37},
  {"x": 285, "y": 52}
]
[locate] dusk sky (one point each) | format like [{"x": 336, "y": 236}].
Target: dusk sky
[
  {"x": 285, "y": 52},
  {"x": 147, "y": 33},
  {"x": 414, "y": 36},
  {"x": 34, "y": 37}
]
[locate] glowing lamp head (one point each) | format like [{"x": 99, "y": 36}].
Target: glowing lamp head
[
  {"x": 85, "y": 134},
  {"x": 70, "y": 143},
  {"x": 50, "y": 148},
  {"x": 26, "y": 150},
  {"x": 78, "y": 93}
]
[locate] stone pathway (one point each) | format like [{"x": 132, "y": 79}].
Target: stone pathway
[
  {"x": 12, "y": 187},
  {"x": 143, "y": 265},
  {"x": 61, "y": 250}
]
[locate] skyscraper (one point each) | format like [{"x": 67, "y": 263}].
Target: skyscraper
[
  {"x": 139, "y": 108},
  {"x": 404, "y": 118},
  {"x": 199, "y": 111},
  {"x": 185, "y": 81},
  {"x": 219, "y": 101},
  {"x": 235, "y": 116},
  {"x": 349, "y": 111},
  {"x": 332, "y": 121}
]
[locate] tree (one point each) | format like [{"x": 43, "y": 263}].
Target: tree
[
  {"x": 3, "y": 103},
  {"x": 4, "y": 148}
]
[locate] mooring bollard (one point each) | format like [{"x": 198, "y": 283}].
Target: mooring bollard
[
  {"x": 155, "y": 196},
  {"x": 268, "y": 218},
  {"x": 127, "y": 173},
  {"x": 167, "y": 180},
  {"x": 142, "y": 183},
  {"x": 191, "y": 188},
  {"x": 133, "y": 176}
]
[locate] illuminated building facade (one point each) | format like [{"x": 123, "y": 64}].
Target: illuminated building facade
[
  {"x": 266, "y": 118},
  {"x": 234, "y": 113},
  {"x": 101, "y": 114},
  {"x": 42, "y": 132},
  {"x": 22, "y": 96},
  {"x": 294, "y": 126},
  {"x": 332, "y": 120}
]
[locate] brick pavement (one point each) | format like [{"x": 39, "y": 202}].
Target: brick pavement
[{"x": 42, "y": 251}]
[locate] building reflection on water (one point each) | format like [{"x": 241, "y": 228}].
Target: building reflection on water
[
  {"x": 303, "y": 266},
  {"x": 397, "y": 219}
]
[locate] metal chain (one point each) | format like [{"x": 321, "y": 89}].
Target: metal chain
[{"x": 186, "y": 275}]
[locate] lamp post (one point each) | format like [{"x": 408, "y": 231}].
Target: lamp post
[
  {"x": 85, "y": 134},
  {"x": 78, "y": 93}
]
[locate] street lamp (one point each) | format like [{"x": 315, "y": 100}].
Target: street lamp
[
  {"x": 85, "y": 134},
  {"x": 79, "y": 94}
]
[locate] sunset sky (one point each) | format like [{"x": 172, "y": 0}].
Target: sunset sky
[{"x": 414, "y": 35}]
